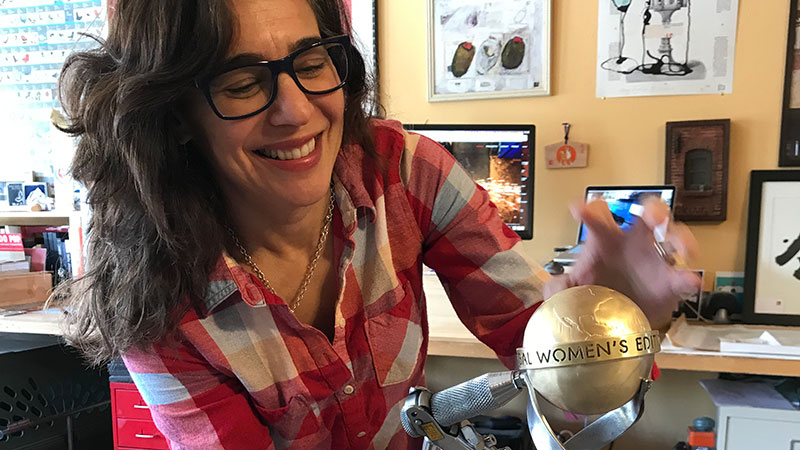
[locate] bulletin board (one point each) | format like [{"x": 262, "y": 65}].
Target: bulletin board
[{"x": 36, "y": 36}]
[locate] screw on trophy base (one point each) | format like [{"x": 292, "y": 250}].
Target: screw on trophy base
[{"x": 587, "y": 350}]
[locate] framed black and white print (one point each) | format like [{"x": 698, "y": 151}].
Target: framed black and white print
[
  {"x": 488, "y": 49},
  {"x": 772, "y": 265}
]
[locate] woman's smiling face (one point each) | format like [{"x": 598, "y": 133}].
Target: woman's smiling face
[{"x": 286, "y": 152}]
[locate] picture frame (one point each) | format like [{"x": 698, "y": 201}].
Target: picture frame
[
  {"x": 697, "y": 165},
  {"x": 772, "y": 262},
  {"x": 364, "y": 21},
  {"x": 14, "y": 194},
  {"x": 488, "y": 49},
  {"x": 789, "y": 152}
]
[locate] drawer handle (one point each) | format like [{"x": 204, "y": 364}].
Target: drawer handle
[
  {"x": 145, "y": 436},
  {"x": 141, "y": 407}
]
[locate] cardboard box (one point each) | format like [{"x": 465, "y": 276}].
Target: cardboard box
[{"x": 20, "y": 289}]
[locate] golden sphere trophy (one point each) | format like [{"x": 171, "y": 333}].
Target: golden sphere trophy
[{"x": 587, "y": 350}]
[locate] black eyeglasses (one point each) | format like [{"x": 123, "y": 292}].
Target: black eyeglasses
[{"x": 249, "y": 89}]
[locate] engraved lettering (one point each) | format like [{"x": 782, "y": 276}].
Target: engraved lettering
[
  {"x": 557, "y": 358},
  {"x": 543, "y": 357},
  {"x": 623, "y": 346},
  {"x": 607, "y": 349},
  {"x": 576, "y": 353}
]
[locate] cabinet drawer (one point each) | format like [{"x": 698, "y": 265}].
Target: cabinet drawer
[
  {"x": 140, "y": 434},
  {"x": 744, "y": 433},
  {"x": 130, "y": 405}
]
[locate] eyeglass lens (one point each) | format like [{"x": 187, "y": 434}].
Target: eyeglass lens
[{"x": 247, "y": 89}]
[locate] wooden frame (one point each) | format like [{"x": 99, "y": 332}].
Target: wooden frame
[
  {"x": 520, "y": 50},
  {"x": 789, "y": 153},
  {"x": 771, "y": 282},
  {"x": 697, "y": 165}
]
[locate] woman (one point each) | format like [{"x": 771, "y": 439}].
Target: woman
[{"x": 257, "y": 241}]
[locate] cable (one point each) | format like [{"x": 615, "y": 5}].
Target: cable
[{"x": 695, "y": 311}]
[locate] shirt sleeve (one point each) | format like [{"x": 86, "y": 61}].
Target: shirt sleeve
[
  {"x": 492, "y": 284},
  {"x": 193, "y": 404}
]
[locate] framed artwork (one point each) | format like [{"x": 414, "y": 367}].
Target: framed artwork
[
  {"x": 364, "y": 20},
  {"x": 772, "y": 263},
  {"x": 665, "y": 47},
  {"x": 488, "y": 49},
  {"x": 789, "y": 154},
  {"x": 697, "y": 165}
]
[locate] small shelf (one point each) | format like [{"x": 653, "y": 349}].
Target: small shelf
[{"x": 30, "y": 218}]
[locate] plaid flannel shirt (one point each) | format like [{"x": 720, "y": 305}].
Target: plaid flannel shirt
[{"x": 248, "y": 375}]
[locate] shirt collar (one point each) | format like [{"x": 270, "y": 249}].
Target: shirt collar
[
  {"x": 225, "y": 279},
  {"x": 348, "y": 174}
]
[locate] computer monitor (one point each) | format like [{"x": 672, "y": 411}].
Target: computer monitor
[
  {"x": 625, "y": 202},
  {"x": 500, "y": 159}
]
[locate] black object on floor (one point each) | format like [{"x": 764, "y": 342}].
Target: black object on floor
[{"x": 50, "y": 400}]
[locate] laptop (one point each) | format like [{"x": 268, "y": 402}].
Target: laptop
[{"x": 626, "y": 205}]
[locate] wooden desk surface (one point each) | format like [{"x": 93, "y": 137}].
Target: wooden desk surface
[
  {"x": 449, "y": 337},
  {"x": 36, "y": 322}
]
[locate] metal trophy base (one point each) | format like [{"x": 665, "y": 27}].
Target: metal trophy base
[{"x": 594, "y": 436}]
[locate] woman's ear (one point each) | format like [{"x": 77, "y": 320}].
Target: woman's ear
[
  {"x": 182, "y": 130},
  {"x": 182, "y": 126}
]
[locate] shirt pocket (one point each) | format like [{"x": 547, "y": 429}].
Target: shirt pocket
[
  {"x": 288, "y": 423},
  {"x": 395, "y": 337}
]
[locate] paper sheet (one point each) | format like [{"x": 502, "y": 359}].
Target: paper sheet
[
  {"x": 740, "y": 393},
  {"x": 739, "y": 340}
]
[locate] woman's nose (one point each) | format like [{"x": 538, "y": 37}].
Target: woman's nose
[{"x": 291, "y": 106}]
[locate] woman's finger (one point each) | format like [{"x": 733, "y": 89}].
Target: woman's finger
[
  {"x": 595, "y": 215},
  {"x": 684, "y": 282},
  {"x": 683, "y": 241},
  {"x": 655, "y": 212}
]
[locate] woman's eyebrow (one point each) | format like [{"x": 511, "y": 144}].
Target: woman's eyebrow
[{"x": 252, "y": 58}]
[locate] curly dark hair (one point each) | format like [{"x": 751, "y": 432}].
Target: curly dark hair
[{"x": 157, "y": 228}]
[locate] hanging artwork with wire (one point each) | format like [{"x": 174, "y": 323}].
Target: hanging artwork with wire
[
  {"x": 488, "y": 49},
  {"x": 665, "y": 47}
]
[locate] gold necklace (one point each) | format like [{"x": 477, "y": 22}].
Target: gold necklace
[{"x": 323, "y": 236}]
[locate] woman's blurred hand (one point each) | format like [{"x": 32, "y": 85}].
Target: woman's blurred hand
[{"x": 630, "y": 262}]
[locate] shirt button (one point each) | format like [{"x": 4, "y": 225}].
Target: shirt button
[
  {"x": 349, "y": 389},
  {"x": 361, "y": 434}
]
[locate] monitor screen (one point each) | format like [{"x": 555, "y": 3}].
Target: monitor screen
[
  {"x": 500, "y": 159},
  {"x": 625, "y": 202}
]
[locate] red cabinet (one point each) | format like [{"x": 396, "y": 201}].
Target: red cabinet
[{"x": 133, "y": 426}]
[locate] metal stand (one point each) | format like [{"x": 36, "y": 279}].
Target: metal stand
[
  {"x": 431, "y": 415},
  {"x": 596, "y": 435}
]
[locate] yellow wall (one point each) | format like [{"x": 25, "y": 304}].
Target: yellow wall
[{"x": 627, "y": 135}]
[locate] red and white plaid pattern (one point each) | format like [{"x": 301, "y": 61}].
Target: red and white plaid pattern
[{"x": 248, "y": 375}]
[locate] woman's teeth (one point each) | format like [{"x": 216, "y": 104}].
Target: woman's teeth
[{"x": 294, "y": 153}]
